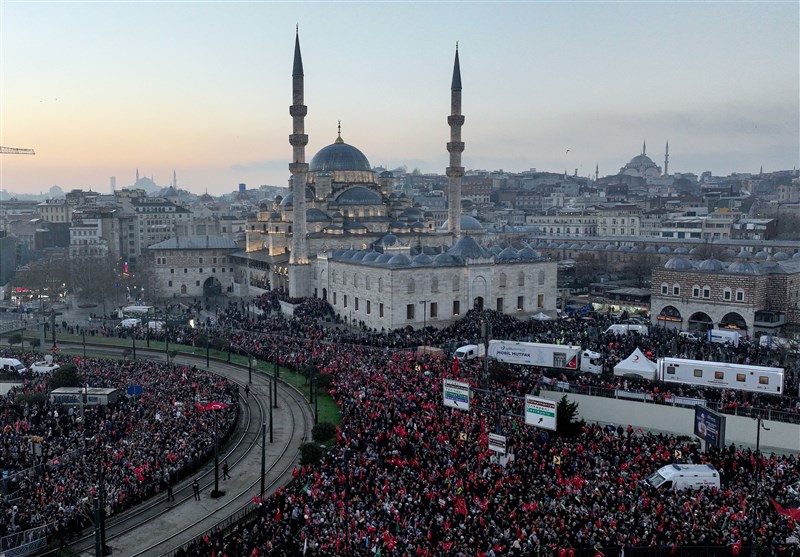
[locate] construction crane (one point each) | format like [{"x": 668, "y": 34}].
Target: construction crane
[{"x": 16, "y": 151}]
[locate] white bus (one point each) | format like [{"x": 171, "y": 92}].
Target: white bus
[{"x": 722, "y": 375}]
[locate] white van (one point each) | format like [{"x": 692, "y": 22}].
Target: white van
[
  {"x": 131, "y": 322},
  {"x": 12, "y": 365},
  {"x": 688, "y": 335},
  {"x": 625, "y": 328},
  {"x": 723, "y": 336},
  {"x": 43, "y": 367},
  {"x": 469, "y": 352},
  {"x": 685, "y": 476}
]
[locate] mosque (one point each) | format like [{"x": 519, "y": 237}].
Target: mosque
[
  {"x": 345, "y": 236},
  {"x": 642, "y": 166}
]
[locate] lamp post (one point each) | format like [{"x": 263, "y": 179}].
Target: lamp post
[
  {"x": 424, "y": 313},
  {"x": 756, "y": 472},
  {"x": 134, "y": 345},
  {"x": 84, "y": 344},
  {"x": 215, "y": 407}
]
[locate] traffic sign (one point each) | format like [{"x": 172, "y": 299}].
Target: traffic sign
[
  {"x": 456, "y": 394},
  {"x": 540, "y": 412},
  {"x": 497, "y": 443}
]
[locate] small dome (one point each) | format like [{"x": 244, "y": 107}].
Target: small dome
[
  {"x": 359, "y": 255},
  {"x": 527, "y": 254},
  {"x": 497, "y": 250},
  {"x": 574, "y": 246},
  {"x": 729, "y": 252},
  {"x": 422, "y": 260},
  {"x": 625, "y": 248},
  {"x": 338, "y": 252},
  {"x": 348, "y": 254},
  {"x": 444, "y": 259},
  {"x": 664, "y": 249},
  {"x": 744, "y": 254},
  {"x": 651, "y": 249},
  {"x": 694, "y": 251},
  {"x": 742, "y": 268},
  {"x": 399, "y": 260},
  {"x": 611, "y": 247},
  {"x": 678, "y": 264},
  {"x": 796, "y": 255},
  {"x": 333, "y": 229},
  {"x": 359, "y": 196},
  {"x": 371, "y": 256},
  {"x": 288, "y": 201},
  {"x": 780, "y": 256},
  {"x": 681, "y": 251},
  {"x": 508, "y": 254},
  {"x": 412, "y": 213},
  {"x": 598, "y": 247},
  {"x": 315, "y": 215},
  {"x": 418, "y": 226},
  {"x": 339, "y": 156},
  {"x": 399, "y": 226},
  {"x": 388, "y": 240},
  {"x": 761, "y": 255},
  {"x": 467, "y": 223},
  {"x": 711, "y": 265},
  {"x": 383, "y": 258},
  {"x": 355, "y": 226},
  {"x": 468, "y": 247},
  {"x": 586, "y": 246}
]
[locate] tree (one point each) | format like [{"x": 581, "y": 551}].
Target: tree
[
  {"x": 567, "y": 425},
  {"x": 311, "y": 454},
  {"x": 65, "y": 376},
  {"x": 219, "y": 344},
  {"x": 640, "y": 267},
  {"x": 323, "y": 432},
  {"x": 587, "y": 267},
  {"x": 96, "y": 279},
  {"x": 14, "y": 338}
]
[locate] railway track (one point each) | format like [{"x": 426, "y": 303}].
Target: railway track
[{"x": 156, "y": 527}]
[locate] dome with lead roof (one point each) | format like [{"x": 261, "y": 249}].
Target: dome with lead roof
[
  {"x": 399, "y": 260},
  {"x": 371, "y": 256},
  {"x": 681, "y": 251},
  {"x": 468, "y": 223},
  {"x": 507, "y": 255},
  {"x": 762, "y": 255},
  {"x": 527, "y": 254},
  {"x": 445, "y": 259},
  {"x": 713, "y": 265},
  {"x": 678, "y": 264},
  {"x": 288, "y": 201},
  {"x": 780, "y": 256},
  {"x": 742, "y": 268},
  {"x": 338, "y": 156},
  {"x": 664, "y": 250},
  {"x": 467, "y": 247},
  {"x": 383, "y": 258},
  {"x": 497, "y": 250},
  {"x": 422, "y": 260},
  {"x": 359, "y": 196}
]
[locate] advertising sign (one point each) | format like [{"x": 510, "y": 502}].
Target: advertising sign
[
  {"x": 709, "y": 426},
  {"x": 497, "y": 443},
  {"x": 540, "y": 412},
  {"x": 456, "y": 394}
]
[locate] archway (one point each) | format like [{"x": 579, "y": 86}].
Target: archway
[
  {"x": 324, "y": 294},
  {"x": 670, "y": 318},
  {"x": 733, "y": 320},
  {"x": 183, "y": 289},
  {"x": 477, "y": 303},
  {"x": 701, "y": 322},
  {"x": 212, "y": 287}
]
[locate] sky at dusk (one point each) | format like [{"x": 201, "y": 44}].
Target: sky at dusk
[{"x": 100, "y": 89}]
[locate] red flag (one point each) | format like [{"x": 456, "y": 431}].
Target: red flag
[{"x": 794, "y": 514}]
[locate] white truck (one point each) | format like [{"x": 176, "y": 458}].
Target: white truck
[
  {"x": 45, "y": 366},
  {"x": 685, "y": 476},
  {"x": 723, "y": 336},
  {"x": 546, "y": 355},
  {"x": 722, "y": 375},
  {"x": 469, "y": 352},
  {"x": 12, "y": 365}
]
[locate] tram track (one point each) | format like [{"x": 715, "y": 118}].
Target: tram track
[{"x": 157, "y": 527}]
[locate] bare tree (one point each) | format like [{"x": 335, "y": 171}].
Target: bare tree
[
  {"x": 640, "y": 266},
  {"x": 97, "y": 279}
]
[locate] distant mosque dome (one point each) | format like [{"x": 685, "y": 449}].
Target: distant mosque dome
[
  {"x": 468, "y": 223},
  {"x": 641, "y": 166}
]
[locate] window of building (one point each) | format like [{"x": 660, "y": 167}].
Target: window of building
[
  {"x": 695, "y": 291},
  {"x": 170, "y": 283},
  {"x": 434, "y": 310},
  {"x": 172, "y": 271},
  {"x": 344, "y": 299},
  {"x": 334, "y": 298},
  {"x": 369, "y": 307},
  {"x": 726, "y": 294},
  {"x": 706, "y": 292},
  {"x": 540, "y": 301},
  {"x": 434, "y": 284},
  {"x": 201, "y": 270},
  {"x": 411, "y": 285},
  {"x": 521, "y": 279},
  {"x": 676, "y": 290},
  {"x": 185, "y": 271},
  {"x": 541, "y": 278},
  {"x": 380, "y": 310},
  {"x": 380, "y": 286},
  {"x": 740, "y": 295},
  {"x": 197, "y": 283},
  {"x": 520, "y": 303},
  {"x": 201, "y": 260},
  {"x": 456, "y": 307},
  {"x": 410, "y": 311},
  {"x": 664, "y": 289},
  {"x": 502, "y": 280},
  {"x": 366, "y": 282},
  {"x": 500, "y": 304}
]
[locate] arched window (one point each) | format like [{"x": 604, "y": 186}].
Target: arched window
[
  {"x": 411, "y": 285},
  {"x": 355, "y": 280},
  {"x": 434, "y": 284},
  {"x": 676, "y": 289},
  {"x": 664, "y": 289},
  {"x": 726, "y": 294},
  {"x": 739, "y": 295},
  {"x": 696, "y": 291},
  {"x": 380, "y": 284},
  {"x": 366, "y": 282},
  {"x": 706, "y": 291},
  {"x": 502, "y": 280},
  {"x": 541, "y": 278},
  {"x": 456, "y": 284},
  {"x": 521, "y": 278}
]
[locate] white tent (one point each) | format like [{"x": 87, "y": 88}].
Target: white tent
[
  {"x": 541, "y": 317},
  {"x": 636, "y": 365}
]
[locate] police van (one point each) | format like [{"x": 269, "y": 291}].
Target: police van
[{"x": 684, "y": 476}]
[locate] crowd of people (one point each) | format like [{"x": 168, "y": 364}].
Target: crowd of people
[
  {"x": 411, "y": 477},
  {"x": 52, "y": 456}
]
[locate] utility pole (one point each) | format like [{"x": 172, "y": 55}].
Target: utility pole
[
  {"x": 263, "y": 456},
  {"x": 275, "y": 378},
  {"x": 134, "y": 345},
  {"x": 756, "y": 472},
  {"x": 270, "y": 410}
]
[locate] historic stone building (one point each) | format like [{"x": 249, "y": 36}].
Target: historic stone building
[
  {"x": 754, "y": 297},
  {"x": 192, "y": 266}
]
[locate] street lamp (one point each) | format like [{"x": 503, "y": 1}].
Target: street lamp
[
  {"x": 424, "y": 313},
  {"x": 215, "y": 407},
  {"x": 759, "y": 427}
]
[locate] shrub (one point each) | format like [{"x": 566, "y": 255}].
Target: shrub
[
  {"x": 323, "y": 432},
  {"x": 310, "y": 454},
  {"x": 65, "y": 376}
]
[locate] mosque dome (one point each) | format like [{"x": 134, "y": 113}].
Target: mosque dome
[
  {"x": 711, "y": 265},
  {"x": 468, "y": 247},
  {"x": 444, "y": 259},
  {"x": 678, "y": 264},
  {"x": 359, "y": 196},
  {"x": 288, "y": 201},
  {"x": 338, "y": 156},
  {"x": 388, "y": 240},
  {"x": 371, "y": 256},
  {"x": 664, "y": 249},
  {"x": 422, "y": 260},
  {"x": 742, "y": 268},
  {"x": 796, "y": 255},
  {"x": 762, "y": 255},
  {"x": 780, "y": 256},
  {"x": 383, "y": 258},
  {"x": 400, "y": 260},
  {"x": 642, "y": 166},
  {"x": 468, "y": 223},
  {"x": 508, "y": 254},
  {"x": 315, "y": 215},
  {"x": 528, "y": 254}
]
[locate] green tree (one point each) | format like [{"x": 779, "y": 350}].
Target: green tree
[
  {"x": 65, "y": 376},
  {"x": 219, "y": 344},
  {"x": 35, "y": 342},
  {"x": 324, "y": 381},
  {"x": 311, "y": 454},
  {"x": 201, "y": 340},
  {"x": 567, "y": 424},
  {"x": 323, "y": 432},
  {"x": 14, "y": 338}
]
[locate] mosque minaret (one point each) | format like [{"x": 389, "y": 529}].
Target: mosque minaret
[
  {"x": 455, "y": 147},
  {"x": 298, "y": 259}
]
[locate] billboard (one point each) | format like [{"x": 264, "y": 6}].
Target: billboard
[
  {"x": 709, "y": 426},
  {"x": 540, "y": 412},
  {"x": 456, "y": 394},
  {"x": 497, "y": 443}
]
